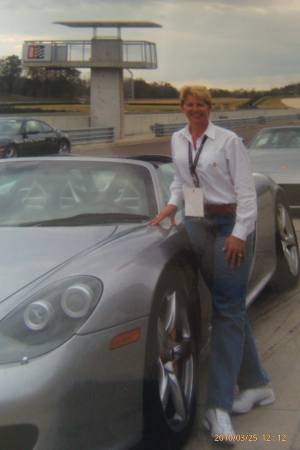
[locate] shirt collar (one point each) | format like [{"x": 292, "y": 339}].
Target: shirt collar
[{"x": 210, "y": 131}]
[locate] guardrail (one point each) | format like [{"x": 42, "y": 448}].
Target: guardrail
[
  {"x": 82, "y": 135},
  {"x": 166, "y": 129}
]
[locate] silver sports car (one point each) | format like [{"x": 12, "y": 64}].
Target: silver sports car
[
  {"x": 103, "y": 317},
  {"x": 275, "y": 151}
]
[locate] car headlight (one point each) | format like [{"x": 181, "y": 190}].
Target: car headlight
[
  {"x": 37, "y": 315},
  {"x": 76, "y": 300},
  {"x": 48, "y": 318}
]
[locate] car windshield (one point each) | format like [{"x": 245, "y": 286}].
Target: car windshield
[
  {"x": 166, "y": 174},
  {"x": 277, "y": 138},
  {"x": 10, "y": 127},
  {"x": 74, "y": 193}
]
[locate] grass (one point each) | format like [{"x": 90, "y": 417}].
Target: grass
[
  {"x": 57, "y": 108},
  {"x": 163, "y": 105},
  {"x": 147, "y": 105},
  {"x": 15, "y": 98},
  {"x": 229, "y": 103},
  {"x": 270, "y": 103}
]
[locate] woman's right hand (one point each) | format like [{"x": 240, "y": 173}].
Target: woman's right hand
[{"x": 167, "y": 211}]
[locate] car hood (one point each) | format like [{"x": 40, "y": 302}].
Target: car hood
[
  {"x": 29, "y": 253},
  {"x": 283, "y": 165}
]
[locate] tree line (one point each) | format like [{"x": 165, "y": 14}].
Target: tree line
[
  {"x": 67, "y": 84},
  {"x": 40, "y": 82},
  {"x": 142, "y": 89}
]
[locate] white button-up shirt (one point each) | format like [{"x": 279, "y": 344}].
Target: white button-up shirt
[{"x": 223, "y": 170}]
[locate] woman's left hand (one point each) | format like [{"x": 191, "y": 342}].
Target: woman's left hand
[{"x": 235, "y": 250}]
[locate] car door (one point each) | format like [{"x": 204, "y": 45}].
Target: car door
[
  {"x": 51, "y": 138},
  {"x": 34, "y": 139}
]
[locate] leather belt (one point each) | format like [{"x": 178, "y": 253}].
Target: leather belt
[{"x": 227, "y": 209}]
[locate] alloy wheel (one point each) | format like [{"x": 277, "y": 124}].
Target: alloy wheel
[
  {"x": 11, "y": 152},
  {"x": 288, "y": 239},
  {"x": 176, "y": 360},
  {"x": 64, "y": 147}
]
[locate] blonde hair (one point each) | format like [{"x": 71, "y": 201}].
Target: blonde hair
[{"x": 200, "y": 92}]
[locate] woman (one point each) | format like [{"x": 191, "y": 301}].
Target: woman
[{"x": 213, "y": 177}]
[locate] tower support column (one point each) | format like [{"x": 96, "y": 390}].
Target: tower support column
[{"x": 107, "y": 99}]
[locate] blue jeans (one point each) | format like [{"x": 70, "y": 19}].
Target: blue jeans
[{"x": 233, "y": 357}]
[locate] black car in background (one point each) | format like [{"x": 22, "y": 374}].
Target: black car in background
[{"x": 30, "y": 137}]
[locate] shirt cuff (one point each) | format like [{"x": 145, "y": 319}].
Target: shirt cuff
[
  {"x": 175, "y": 200},
  {"x": 240, "y": 231}
]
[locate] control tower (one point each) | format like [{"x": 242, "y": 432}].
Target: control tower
[{"x": 105, "y": 56}]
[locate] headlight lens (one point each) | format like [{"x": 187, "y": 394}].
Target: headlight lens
[
  {"x": 38, "y": 315},
  {"x": 76, "y": 300},
  {"x": 48, "y": 318}
]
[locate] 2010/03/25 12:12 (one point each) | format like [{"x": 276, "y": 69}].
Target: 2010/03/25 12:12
[
  {"x": 253, "y": 437},
  {"x": 270, "y": 437}
]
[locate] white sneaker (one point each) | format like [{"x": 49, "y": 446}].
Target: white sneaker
[
  {"x": 218, "y": 423},
  {"x": 247, "y": 399}
]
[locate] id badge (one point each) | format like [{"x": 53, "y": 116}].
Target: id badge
[{"x": 194, "y": 201}]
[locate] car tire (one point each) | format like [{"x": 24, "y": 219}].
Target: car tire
[
  {"x": 64, "y": 147},
  {"x": 11, "y": 151},
  {"x": 287, "y": 270},
  {"x": 171, "y": 367}
]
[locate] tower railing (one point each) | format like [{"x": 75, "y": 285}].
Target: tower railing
[{"x": 78, "y": 53}]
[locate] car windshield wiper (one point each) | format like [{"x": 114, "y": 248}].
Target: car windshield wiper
[{"x": 88, "y": 219}]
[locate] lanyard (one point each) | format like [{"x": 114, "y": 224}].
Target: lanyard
[{"x": 193, "y": 164}]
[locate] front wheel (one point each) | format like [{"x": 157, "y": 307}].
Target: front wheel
[
  {"x": 287, "y": 271},
  {"x": 64, "y": 147},
  {"x": 171, "y": 369}
]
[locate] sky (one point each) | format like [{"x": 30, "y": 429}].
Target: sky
[{"x": 218, "y": 43}]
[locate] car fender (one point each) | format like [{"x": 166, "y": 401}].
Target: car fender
[{"x": 133, "y": 267}]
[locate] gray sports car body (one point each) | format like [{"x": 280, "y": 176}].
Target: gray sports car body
[
  {"x": 275, "y": 151},
  {"x": 103, "y": 317}
]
